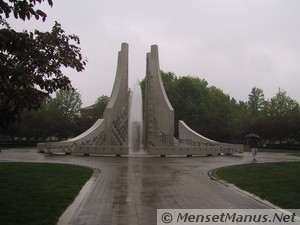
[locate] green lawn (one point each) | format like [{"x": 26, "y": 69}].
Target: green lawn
[
  {"x": 278, "y": 183},
  {"x": 38, "y": 193}
]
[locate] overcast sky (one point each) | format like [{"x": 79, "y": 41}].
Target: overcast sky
[{"x": 233, "y": 44}]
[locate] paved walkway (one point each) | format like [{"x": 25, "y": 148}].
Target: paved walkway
[{"x": 128, "y": 190}]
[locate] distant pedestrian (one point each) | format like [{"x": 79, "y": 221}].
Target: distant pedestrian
[
  {"x": 253, "y": 140},
  {"x": 254, "y": 145}
]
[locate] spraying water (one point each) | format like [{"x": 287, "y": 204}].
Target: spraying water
[{"x": 135, "y": 120}]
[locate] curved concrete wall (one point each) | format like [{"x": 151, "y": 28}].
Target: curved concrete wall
[
  {"x": 189, "y": 137},
  {"x": 187, "y": 134},
  {"x": 94, "y": 135}
]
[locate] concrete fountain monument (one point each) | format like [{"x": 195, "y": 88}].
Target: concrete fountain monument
[{"x": 123, "y": 128}]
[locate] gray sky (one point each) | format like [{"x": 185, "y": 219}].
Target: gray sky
[{"x": 233, "y": 44}]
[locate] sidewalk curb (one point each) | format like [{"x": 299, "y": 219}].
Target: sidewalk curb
[{"x": 67, "y": 216}]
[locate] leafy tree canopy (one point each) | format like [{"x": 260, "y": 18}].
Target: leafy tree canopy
[
  {"x": 256, "y": 100},
  {"x": 67, "y": 102},
  {"x": 212, "y": 113},
  {"x": 31, "y": 62},
  {"x": 22, "y": 9},
  {"x": 282, "y": 105},
  {"x": 100, "y": 106}
]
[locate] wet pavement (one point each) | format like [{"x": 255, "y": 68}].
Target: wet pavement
[{"x": 129, "y": 190}]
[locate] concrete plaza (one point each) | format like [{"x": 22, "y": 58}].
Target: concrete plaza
[{"x": 129, "y": 190}]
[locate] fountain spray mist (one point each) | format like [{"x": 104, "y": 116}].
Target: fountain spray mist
[{"x": 135, "y": 120}]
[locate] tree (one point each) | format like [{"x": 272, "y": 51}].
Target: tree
[
  {"x": 187, "y": 96},
  {"x": 168, "y": 79},
  {"x": 67, "y": 102},
  {"x": 212, "y": 113},
  {"x": 60, "y": 117},
  {"x": 21, "y": 9},
  {"x": 256, "y": 101},
  {"x": 31, "y": 62},
  {"x": 283, "y": 113},
  {"x": 281, "y": 105},
  {"x": 240, "y": 119},
  {"x": 207, "y": 110},
  {"x": 219, "y": 115},
  {"x": 100, "y": 106}
]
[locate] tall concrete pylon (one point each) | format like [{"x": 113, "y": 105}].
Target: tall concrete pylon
[
  {"x": 116, "y": 112},
  {"x": 159, "y": 113},
  {"x": 110, "y": 134}
]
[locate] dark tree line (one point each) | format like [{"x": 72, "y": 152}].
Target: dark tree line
[
  {"x": 206, "y": 109},
  {"x": 214, "y": 114},
  {"x": 59, "y": 118}
]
